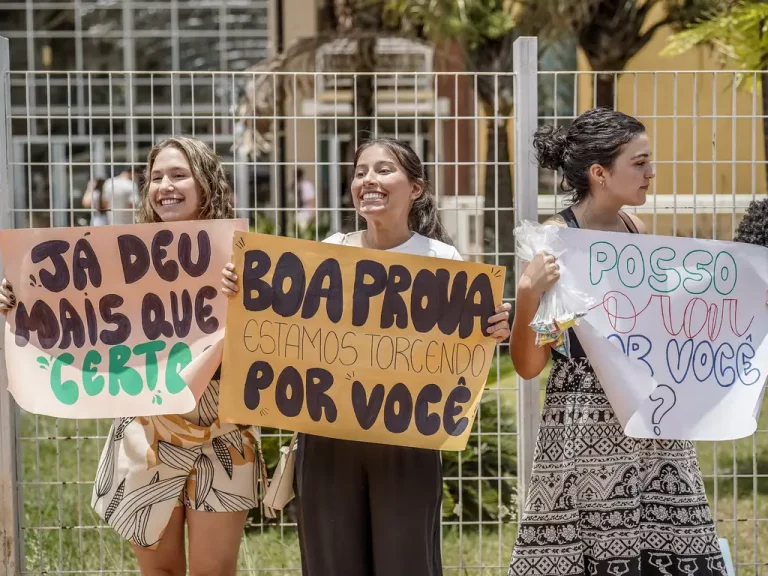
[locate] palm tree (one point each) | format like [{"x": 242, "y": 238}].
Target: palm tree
[
  {"x": 738, "y": 31},
  {"x": 612, "y": 32}
]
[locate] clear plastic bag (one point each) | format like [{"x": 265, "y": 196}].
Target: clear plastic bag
[{"x": 562, "y": 305}]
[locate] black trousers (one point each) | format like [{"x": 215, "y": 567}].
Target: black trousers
[{"x": 368, "y": 509}]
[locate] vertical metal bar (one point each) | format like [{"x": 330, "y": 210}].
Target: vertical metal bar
[
  {"x": 70, "y": 179},
  {"x": 79, "y": 65},
  {"x": 655, "y": 149},
  {"x": 213, "y": 109},
  {"x": 31, "y": 63},
  {"x": 334, "y": 157},
  {"x": 175, "y": 67},
  {"x": 19, "y": 177},
  {"x": 714, "y": 158},
  {"x": 275, "y": 198},
  {"x": 456, "y": 206},
  {"x": 694, "y": 218},
  {"x": 296, "y": 201},
  {"x": 58, "y": 173},
  {"x": 473, "y": 241},
  {"x": 437, "y": 142},
  {"x": 111, "y": 171},
  {"x": 129, "y": 63},
  {"x": 315, "y": 142},
  {"x": 674, "y": 154},
  {"x": 753, "y": 132},
  {"x": 10, "y": 529},
  {"x": 524, "y": 65},
  {"x": 239, "y": 161},
  {"x": 355, "y": 131},
  {"x": 30, "y": 88},
  {"x": 255, "y": 154},
  {"x": 53, "y": 187},
  {"x": 376, "y": 106},
  {"x": 734, "y": 151}
]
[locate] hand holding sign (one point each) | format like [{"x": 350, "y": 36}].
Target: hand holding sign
[
  {"x": 7, "y": 297},
  {"x": 499, "y": 323},
  {"x": 358, "y": 344}
]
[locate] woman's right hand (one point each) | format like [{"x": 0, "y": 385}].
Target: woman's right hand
[
  {"x": 7, "y": 297},
  {"x": 540, "y": 275},
  {"x": 228, "y": 281}
]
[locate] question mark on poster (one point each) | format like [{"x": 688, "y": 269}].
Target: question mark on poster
[{"x": 666, "y": 398}]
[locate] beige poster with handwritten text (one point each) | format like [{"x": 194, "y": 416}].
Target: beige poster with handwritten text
[
  {"x": 115, "y": 320},
  {"x": 357, "y": 344}
]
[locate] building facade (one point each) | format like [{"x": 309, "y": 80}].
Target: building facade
[{"x": 95, "y": 83}]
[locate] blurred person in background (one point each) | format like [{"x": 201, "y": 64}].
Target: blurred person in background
[
  {"x": 112, "y": 201},
  {"x": 306, "y": 193}
]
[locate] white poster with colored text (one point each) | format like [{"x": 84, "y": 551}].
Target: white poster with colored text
[{"x": 677, "y": 330}]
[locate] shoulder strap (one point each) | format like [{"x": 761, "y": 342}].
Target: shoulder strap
[
  {"x": 631, "y": 228},
  {"x": 570, "y": 218}
]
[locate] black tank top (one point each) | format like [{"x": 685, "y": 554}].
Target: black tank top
[{"x": 570, "y": 219}]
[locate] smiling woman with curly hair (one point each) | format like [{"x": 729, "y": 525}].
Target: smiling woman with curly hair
[{"x": 161, "y": 474}]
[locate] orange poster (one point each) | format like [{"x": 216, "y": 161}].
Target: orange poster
[
  {"x": 357, "y": 344},
  {"x": 115, "y": 320}
]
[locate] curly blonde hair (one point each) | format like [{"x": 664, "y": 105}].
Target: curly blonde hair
[{"x": 215, "y": 193}]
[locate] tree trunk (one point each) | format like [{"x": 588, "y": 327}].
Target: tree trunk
[
  {"x": 604, "y": 90},
  {"x": 369, "y": 20},
  {"x": 366, "y": 59},
  {"x": 498, "y": 170}
]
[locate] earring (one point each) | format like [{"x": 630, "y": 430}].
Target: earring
[{"x": 602, "y": 183}]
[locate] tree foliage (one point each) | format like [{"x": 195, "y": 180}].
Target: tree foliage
[
  {"x": 612, "y": 32},
  {"x": 738, "y": 32}
]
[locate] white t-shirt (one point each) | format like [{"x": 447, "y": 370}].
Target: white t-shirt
[{"x": 416, "y": 245}]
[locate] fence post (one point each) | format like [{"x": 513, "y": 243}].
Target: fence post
[
  {"x": 524, "y": 64},
  {"x": 10, "y": 540}
]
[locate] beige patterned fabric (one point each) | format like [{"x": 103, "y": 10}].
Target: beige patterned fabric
[{"x": 150, "y": 465}]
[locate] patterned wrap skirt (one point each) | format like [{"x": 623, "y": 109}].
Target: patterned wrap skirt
[
  {"x": 150, "y": 465},
  {"x": 603, "y": 504}
]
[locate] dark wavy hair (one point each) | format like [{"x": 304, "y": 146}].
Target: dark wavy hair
[
  {"x": 753, "y": 228},
  {"x": 215, "y": 193},
  {"x": 596, "y": 137},
  {"x": 423, "y": 217}
]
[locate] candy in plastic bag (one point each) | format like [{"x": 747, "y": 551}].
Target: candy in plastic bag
[{"x": 562, "y": 305}]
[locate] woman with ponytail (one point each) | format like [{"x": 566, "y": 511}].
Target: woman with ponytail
[{"x": 372, "y": 509}]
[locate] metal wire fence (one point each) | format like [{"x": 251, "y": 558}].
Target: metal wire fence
[{"x": 707, "y": 134}]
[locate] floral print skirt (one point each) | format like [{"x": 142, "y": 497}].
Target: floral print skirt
[
  {"x": 603, "y": 504},
  {"x": 150, "y": 465}
]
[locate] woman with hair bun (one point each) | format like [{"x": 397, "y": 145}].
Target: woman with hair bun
[{"x": 601, "y": 503}]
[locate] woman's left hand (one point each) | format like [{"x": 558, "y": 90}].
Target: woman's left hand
[{"x": 499, "y": 323}]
